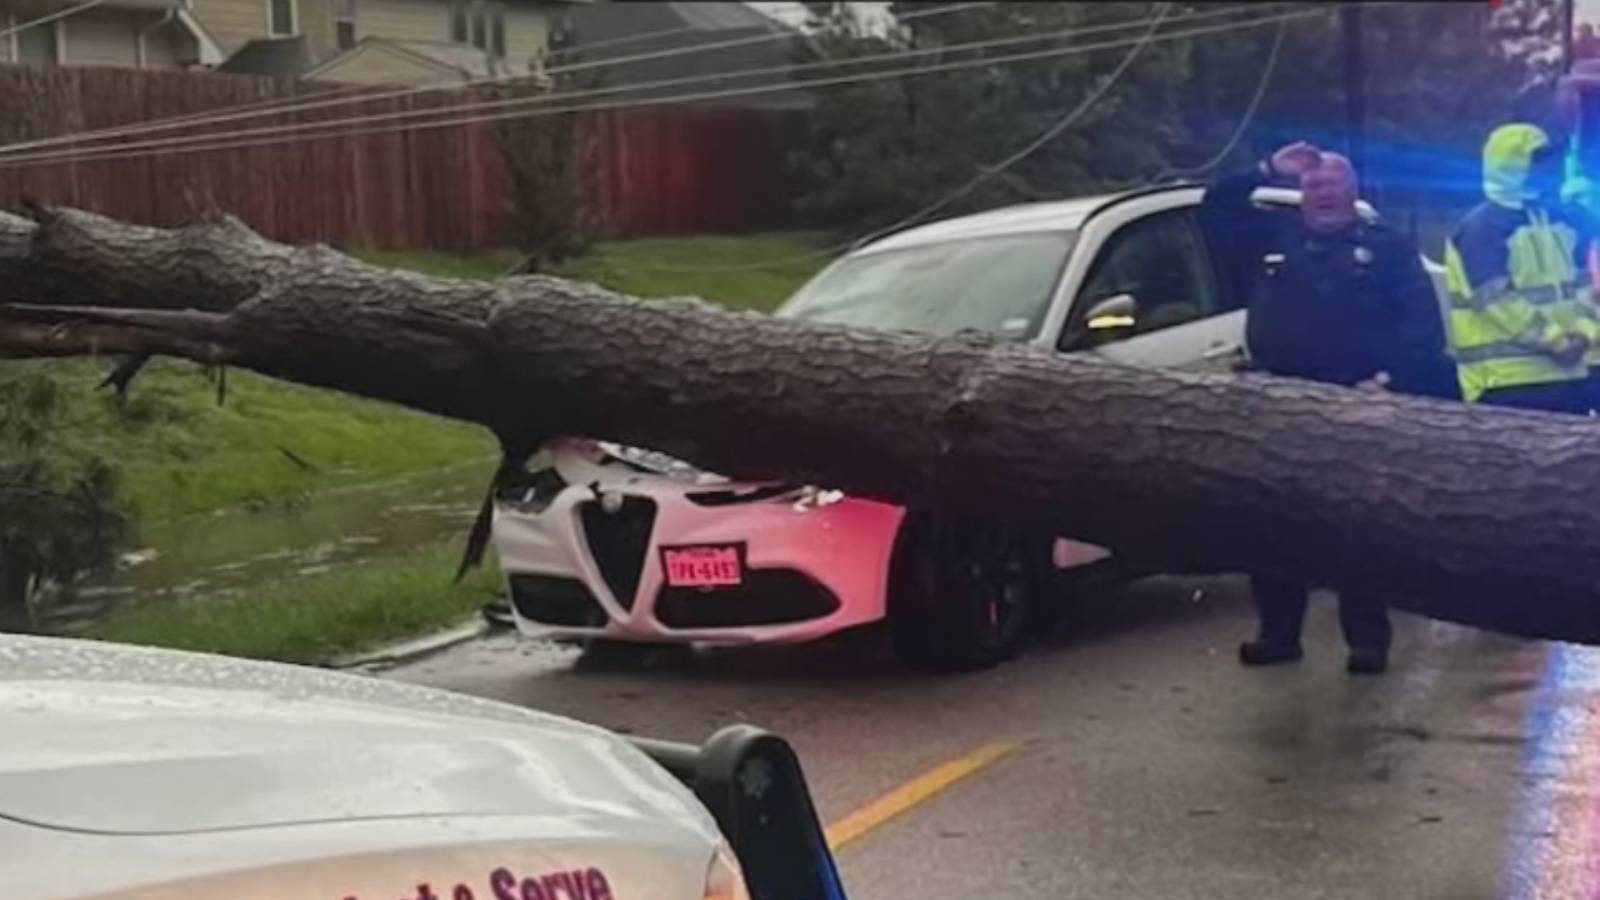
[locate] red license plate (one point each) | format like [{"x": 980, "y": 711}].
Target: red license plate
[{"x": 715, "y": 565}]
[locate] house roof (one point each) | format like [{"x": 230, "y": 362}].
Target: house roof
[
  {"x": 645, "y": 28},
  {"x": 273, "y": 57},
  {"x": 462, "y": 61}
]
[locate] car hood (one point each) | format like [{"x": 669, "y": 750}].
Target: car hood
[
  {"x": 658, "y": 463},
  {"x": 119, "y": 740}
]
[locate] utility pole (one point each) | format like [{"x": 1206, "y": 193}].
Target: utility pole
[
  {"x": 1355, "y": 95},
  {"x": 1568, "y": 15}
]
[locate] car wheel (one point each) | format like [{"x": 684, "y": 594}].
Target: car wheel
[{"x": 963, "y": 595}]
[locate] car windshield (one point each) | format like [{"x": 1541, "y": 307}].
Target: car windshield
[{"x": 1000, "y": 285}]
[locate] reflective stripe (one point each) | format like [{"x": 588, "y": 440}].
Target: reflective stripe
[
  {"x": 1498, "y": 350},
  {"x": 1499, "y": 291},
  {"x": 1503, "y": 336}
]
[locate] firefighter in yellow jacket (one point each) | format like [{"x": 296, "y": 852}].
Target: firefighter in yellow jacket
[{"x": 1521, "y": 318}]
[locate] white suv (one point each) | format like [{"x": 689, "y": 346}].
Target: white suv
[{"x": 620, "y": 547}]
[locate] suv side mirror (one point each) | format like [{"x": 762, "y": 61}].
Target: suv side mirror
[{"x": 1107, "y": 320}]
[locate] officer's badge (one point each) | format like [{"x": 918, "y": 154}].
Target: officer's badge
[{"x": 1363, "y": 256}]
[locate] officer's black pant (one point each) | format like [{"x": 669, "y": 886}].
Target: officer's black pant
[
  {"x": 1557, "y": 396},
  {"x": 1282, "y": 608}
]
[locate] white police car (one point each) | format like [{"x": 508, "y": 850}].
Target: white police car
[{"x": 141, "y": 774}]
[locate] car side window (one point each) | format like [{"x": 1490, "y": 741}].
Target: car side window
[{"x": 1162, "y": 263}]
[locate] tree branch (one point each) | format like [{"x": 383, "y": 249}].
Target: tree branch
[{"x": 1468, "y": 514}]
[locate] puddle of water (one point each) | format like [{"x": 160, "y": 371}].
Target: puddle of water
[{"x": 219, "y": 554}]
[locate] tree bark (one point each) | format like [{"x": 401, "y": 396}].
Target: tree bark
[{"x": 1474, "y": 515}]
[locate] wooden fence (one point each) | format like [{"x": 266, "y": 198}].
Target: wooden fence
[{"x": 664, "y": 170}]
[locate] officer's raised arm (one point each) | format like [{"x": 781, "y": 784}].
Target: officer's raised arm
[{"x": 1235, "y": 228}]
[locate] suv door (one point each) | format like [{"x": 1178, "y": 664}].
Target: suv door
[{"x": 1180, "y": 316}]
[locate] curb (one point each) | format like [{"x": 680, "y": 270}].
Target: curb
[{"x": 410, "y": 651}]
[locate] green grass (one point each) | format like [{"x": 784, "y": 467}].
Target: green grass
[
  {"x": 754, "y": 272},
  {"x": 744, "y": 272},
  {"x": 445, "y": 265},
  {"x": 320, "y": 618},
  {"x": 181, "y": 453}
]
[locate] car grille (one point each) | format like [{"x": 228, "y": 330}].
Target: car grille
[
  {"x": 549, "y": 600},
  {"x": 618, "y": 541},
  {"x": 767, "y": 597}
]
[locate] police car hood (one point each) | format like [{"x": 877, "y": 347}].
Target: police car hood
[{"x": 121, "y": 740}]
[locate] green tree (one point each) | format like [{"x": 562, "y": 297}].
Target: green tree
[
  {"x": 59, "y": 513},
  {"x": 551, "y": 168},
  {"x": 1437, "y": 79},
  {"x": 881, "y": 149}
]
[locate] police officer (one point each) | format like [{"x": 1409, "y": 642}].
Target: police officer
[
  {"x": 1333, "y": 299},
  {"x": 1521, "y": 318}
]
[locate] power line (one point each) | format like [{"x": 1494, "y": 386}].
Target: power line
[
  {"x": 1244, "y": 121},
  {"x": 1028, "y": 149},
  {"x": 443, "y": 120},
  {"x": 338, "y": 96},
  {"x": 520, "y": 102},
  {"x": 1045, "y": 137},
  {"x": 450, "y": 117},
  {"x": 47, "y": 19}
]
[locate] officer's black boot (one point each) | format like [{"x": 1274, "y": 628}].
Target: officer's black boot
[
  {"x": 1282, "y": 609},
  {"x": 1266, "y": 653},
  {"x": 1367, "y": 630}
]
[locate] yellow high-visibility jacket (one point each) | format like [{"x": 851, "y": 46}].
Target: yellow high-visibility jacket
[{"x": 1517, "y": 278}]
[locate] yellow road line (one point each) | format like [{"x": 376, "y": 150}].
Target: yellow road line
[{"x": 913, "y": 792}]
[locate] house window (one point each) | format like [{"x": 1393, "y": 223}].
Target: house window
[
  {"x": 281, "y": 18},
  {"x": 344, "y": 18},
  {"x": 481, "y": 23},
  {"x": 39, "y": 45}
]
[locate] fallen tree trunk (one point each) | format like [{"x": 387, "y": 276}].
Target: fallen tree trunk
[{"x": 1479, "y": 516}]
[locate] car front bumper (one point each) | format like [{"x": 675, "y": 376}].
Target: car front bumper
[{"x": 577, "y": 570}]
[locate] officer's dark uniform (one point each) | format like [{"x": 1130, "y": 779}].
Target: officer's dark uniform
[{"x": 1336, "y": 308}]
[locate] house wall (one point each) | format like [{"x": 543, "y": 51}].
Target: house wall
[
  {"x": 527, "y": 24},
  {"x": 164, "y": 47},
  {"x": 527, "y": 32},
  {"x": 403, "y": 20},
  {"x": 233, "y": 22},
  {"x": 102, "y": 37},
  {"x": 317, "y": 24},
  {"x": 112, "y": 37}
]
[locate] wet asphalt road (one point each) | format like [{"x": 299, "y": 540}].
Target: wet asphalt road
[{"x": 1148, "y": 763}]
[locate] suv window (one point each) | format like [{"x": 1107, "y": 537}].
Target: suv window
[
  {"x": 1002, "y": 285},
  {"x": 1162, "y": 262}
]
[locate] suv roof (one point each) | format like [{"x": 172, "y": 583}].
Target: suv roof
[{"x": 1053, "y": 215}]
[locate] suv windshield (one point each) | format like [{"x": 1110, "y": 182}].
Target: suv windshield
[{"x": 1001, "y": 285}]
